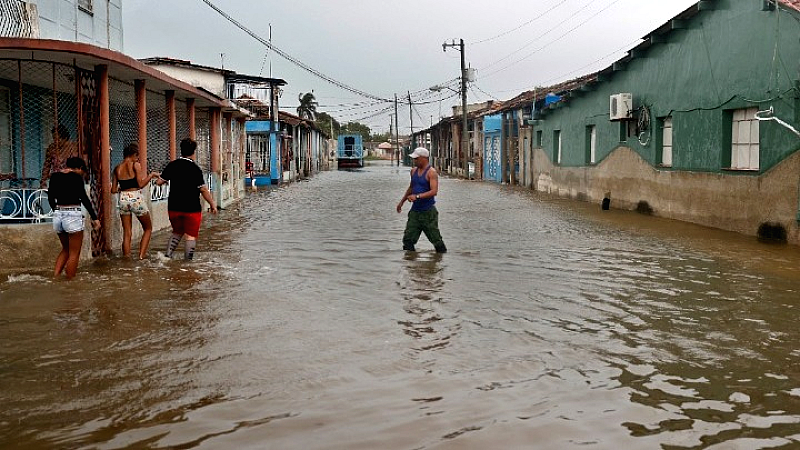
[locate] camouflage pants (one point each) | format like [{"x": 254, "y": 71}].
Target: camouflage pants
[{"x": 423, "y": 222}]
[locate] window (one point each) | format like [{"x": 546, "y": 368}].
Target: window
[
  {"x": 6, "y": 154},
  {"x": 666, "y": 142},
  {"x": 557, "y": 146},
  {"x": 85, "y": 5},
  {"x": 745, "y": 140},
  {"x": 539, "y": 138},
  {"x": 591, "y": 144}
]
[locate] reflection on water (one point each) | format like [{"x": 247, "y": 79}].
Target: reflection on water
[{"x": 301, "y": 324}]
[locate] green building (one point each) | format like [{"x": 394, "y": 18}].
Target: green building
[{"x": 673, "y": 128}]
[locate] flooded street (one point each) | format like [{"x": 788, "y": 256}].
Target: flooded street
[{"x": 301, "y": 324}]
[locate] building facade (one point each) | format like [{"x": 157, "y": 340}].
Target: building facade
[{"x": 96, "y": 22}]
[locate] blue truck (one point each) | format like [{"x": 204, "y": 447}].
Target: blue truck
[{"x": 350, "y": 151}]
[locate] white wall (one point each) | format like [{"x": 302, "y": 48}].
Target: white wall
[
  {"x": 63, "y": 20},
  {"x": 210, "y": 81}
]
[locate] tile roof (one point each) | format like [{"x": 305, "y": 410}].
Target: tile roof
[{"x": 793, "y": 4}]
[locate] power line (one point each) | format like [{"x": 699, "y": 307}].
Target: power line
[
  {"x": 570, "y": 17},
  {"x": 553, "y": 41},
  {"x": 580, "y": 69},
  {"x": 292, "y": 59},
  {"x": 552, "y": 8}
]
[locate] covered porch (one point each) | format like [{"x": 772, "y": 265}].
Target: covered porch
[{"x": 66, "y": 96}]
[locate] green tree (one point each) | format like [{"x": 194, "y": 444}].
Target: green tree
[
  {"x": 380, "y": 137},
  {"x": 357, "y": 128},
  {"x": 326, "y": 123},
  {"x": 308, "y": 106}
]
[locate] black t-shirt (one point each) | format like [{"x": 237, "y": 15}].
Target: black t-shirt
[
  {"x": 185, "y": 180},
  {"x": 68, "y": 189}
]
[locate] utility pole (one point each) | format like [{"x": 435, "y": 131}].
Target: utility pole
[
  {"x": 412, "y": 143},
  {"x": 391, "y": 131},
  {"x": 396, "y": 131},
  {"x": 464, "y": 125}
]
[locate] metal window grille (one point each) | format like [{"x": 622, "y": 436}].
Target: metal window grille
[
  {"x": 158, "y": 138},
  {"x": 124, "y": 118},
  {"x": 202, "y": 121},
  {"x": 36, "y": 99}
]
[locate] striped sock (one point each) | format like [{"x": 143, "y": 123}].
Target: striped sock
[
  {"x": 188, "y": 252},
  {"x": 174, "y": 240}
]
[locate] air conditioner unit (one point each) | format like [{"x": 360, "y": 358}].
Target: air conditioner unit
[{"x": 621, "y": 106}]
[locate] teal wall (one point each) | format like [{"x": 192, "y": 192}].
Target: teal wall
[{"x": 722, "y": 60}]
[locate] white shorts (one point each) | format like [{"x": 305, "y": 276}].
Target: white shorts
[{"x": 68, "y": 220}]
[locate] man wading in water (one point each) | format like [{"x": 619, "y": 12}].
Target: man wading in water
[{"x": 423, "y": 217}]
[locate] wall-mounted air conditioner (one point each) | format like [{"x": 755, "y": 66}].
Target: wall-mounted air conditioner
[{"x": 621, "y": 106}]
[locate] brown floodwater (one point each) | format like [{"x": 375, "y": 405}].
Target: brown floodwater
[{"x": 302, "y": 324}]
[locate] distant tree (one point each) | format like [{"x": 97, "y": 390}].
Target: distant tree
[
  {"x": 380, "y": 137},
  {"x": 326, "y": 123},
  {"x": 308, "y": 106},
  {"x": 357, "y": 128}
]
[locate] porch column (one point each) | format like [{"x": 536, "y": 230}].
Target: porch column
[
  {"x": 241, "y": 147},
  {"x": 173, "y": 125},
  {"x": 105, "y": 153},
  {"x": 214, "y": 125},
  {"x": 190, "y": 110},
  {"x": 141, "y": 105},
  {"x": 228, "y": 123}
]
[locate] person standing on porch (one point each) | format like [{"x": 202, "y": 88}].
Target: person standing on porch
[
  {"x": 423, "y": 217},
  {"x": 128, "y": 180},
  {"x": 186, "y": 185},
  {"x": 57, "y": 154},
  {"x": 65, "y": 195}
]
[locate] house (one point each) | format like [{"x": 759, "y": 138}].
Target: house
[
  {"x": 697, "y": 123},
  {"x": 246, "y": 97},
  {"x": 100, "y": 101},
  {"x": 674, "y": 127}
]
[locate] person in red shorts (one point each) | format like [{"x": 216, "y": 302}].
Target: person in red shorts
[{"x": 186, "y": 185}]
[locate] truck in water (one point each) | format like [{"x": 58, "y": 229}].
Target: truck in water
[{"x": 350, "y": 151}]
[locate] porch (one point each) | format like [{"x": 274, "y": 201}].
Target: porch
[{"x": 92, "y": 102}]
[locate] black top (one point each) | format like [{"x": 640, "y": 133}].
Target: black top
[
  {"x": 66, "y": 188},
  {"x": 185, "y": 180},
  {"x": 129, "y": 184}
]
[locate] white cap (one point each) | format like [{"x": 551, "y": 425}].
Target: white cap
[{"x": 420, "y": 151}]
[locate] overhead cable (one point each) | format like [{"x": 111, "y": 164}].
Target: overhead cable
[
  {"x": 552, "y": 8},
  {"x": 570, "y": 17},
  {"x": 292, "y": 59},
  {"x": 553, "y": 41}
]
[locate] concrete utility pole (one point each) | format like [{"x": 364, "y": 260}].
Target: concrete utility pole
[
  {"x": 391, "y": 131},
  {"x": 464, "y": 125},
  {"x": 396, "y": 131},
  {"x": 412, "y": 142}
]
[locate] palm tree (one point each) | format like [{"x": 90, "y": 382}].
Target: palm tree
[{"x": 308, "y": 106}]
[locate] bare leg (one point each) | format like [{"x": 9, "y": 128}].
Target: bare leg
[
  {"x": 75, "y": 244},
  {"x": 127, "y": 233},
  {"x": 61, "y": 260},
  {"x": 147, "y": 231}
]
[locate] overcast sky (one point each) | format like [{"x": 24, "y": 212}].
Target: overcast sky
[{"x": 388, "y": 47}]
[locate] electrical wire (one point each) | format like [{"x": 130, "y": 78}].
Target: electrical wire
[
  {"x": 553, "y": 41},
  {"x": 552, "y": 8},
  {"x": 529, "y": 43},
  {"x": 290, "y": 58}
]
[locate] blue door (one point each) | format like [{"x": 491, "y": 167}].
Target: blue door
[{"x": 491, "y": 158}]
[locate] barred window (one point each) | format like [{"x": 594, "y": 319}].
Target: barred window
[
  {"x": 6, "y": 150},
  {"x": 85, "y": 5}
]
